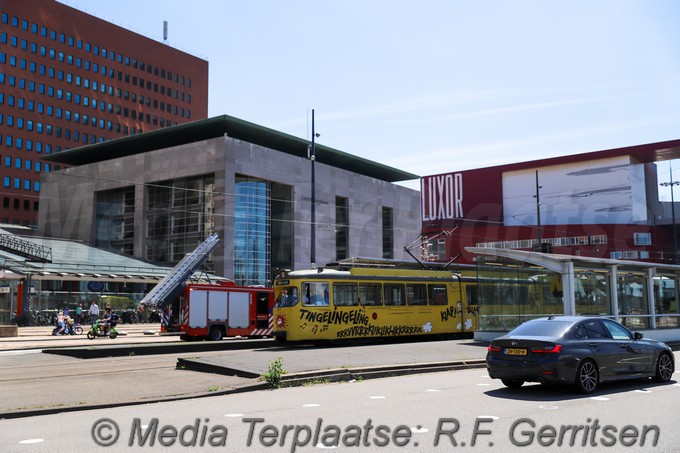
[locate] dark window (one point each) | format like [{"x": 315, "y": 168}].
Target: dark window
[
  {"x": 394, "y": 294},
  {"x": 370, "y": 294},
  {"x": 387, "y": 233},
  {"x": 416, "y": 294},
  {"x": 345, "y": 294},
  {"x": 438, "y": 295},
  {"x": 341, "y": 228},
  {"x": 591, "y": 329}
]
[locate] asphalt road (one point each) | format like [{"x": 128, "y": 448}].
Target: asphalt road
[
  {"x": 454, "y": 410},
  {"x": 38, "y": 383}
]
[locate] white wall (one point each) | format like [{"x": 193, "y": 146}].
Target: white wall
[{"x": 603, "y": 191}]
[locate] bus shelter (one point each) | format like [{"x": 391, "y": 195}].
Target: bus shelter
[{"x": 515, "y": 286}]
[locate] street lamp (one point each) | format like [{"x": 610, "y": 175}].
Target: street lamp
[
  {"x": 675, "y": 236},
  {"x": 312, "y": 157},
  {"x": 538, "y": 213}
]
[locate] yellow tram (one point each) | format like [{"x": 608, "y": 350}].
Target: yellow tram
[{"x": 352, "y": 301}]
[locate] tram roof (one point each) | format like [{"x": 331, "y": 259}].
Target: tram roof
[{"x": 383, "y": 263}]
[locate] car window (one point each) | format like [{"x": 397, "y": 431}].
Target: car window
[
  {"x": 591, "y": 329},
  {"x": 617, "y": 331},
  {"x": 548, "y": 328}
]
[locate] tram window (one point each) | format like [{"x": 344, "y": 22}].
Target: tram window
[
  {"x": 416, "y": 294},
  {"x": 438, "y": 295},
  {"x": 345, "y": 294},
  {"x": 394, "y": 294},
  {"x": 288, "y": 297},
  {"x": 315, "y": 293},
  {"x": 370, "y": 294}
]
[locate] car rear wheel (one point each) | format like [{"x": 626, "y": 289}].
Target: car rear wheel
[
  {"x": 587, "y": 377},
  {"x": 512, "y": 383},
  {"x": 664, "y": 367}
]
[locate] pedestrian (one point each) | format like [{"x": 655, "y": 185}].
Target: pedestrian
[
  {"x": 61, "y": 324},
  {"x": 94, "y": 311},
  {"x": 79, "y": 313}
]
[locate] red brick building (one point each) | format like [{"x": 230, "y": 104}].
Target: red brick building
[{"x": 68, "y": 79}]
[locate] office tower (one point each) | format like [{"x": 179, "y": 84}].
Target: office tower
[{"x": 69, "y": 79}]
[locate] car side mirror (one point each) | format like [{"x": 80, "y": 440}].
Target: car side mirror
[{"x": 637, "y": 335}]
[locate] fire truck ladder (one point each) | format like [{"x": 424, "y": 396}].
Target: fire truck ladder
[{"x": 171, "y": 285}]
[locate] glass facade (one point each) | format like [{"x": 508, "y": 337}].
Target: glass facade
[
  {"x": 179, "y": 217},
  {"x": 282, "y": 244},
  {"x": 115, "y": 220},
  {"x": 633, "y": 299},
  {"x": 341, "y": 228},
  {"x": 510, "y": 293},
  {"x": 666, "y": 304},
  {"x": 252, "y": 232},
  {"x": 387, "y": 233},
  {"x": 592, "y": 292}
]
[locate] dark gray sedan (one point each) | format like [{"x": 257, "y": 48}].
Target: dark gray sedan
[{"x": 581, "y": 351}]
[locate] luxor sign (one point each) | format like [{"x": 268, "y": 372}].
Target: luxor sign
[{"x": 441, "y": 197}]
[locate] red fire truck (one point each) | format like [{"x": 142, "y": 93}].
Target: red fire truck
[
  {"x": 215, "y": 311},
  {"x": 209, "y": 310}
]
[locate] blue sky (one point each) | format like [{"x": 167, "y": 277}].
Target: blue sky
[{"x": 434, "y": 86}]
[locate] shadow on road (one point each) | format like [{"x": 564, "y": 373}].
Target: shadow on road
[{"x": 542, "y": 392}]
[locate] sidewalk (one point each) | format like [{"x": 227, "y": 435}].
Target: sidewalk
[{"x": 37, "y": 337}]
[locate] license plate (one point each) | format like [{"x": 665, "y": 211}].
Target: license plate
[{"x": 511, "y": 351}]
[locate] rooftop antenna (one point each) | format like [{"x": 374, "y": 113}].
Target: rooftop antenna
[{"x": 165, "y": 31}]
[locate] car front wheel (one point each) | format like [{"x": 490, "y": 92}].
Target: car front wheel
[
  {"x": 664, "y": 368},
  {"x": 587, "y": 377}
]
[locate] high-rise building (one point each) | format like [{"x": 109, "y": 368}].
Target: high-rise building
[{"x": 69, "y": 79}]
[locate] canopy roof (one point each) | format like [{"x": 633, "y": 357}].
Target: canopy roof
[
  {"x": 72, "y": 260},
  {"x": 220, "y": 126}
]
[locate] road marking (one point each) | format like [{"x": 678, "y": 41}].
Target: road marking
[
  {"x": 377, "y": 397},
  {"x": 321, "y": 445},
  {"x": 642, "y": 391},
  {"x": 599, "y": 398},
  {"x": 488, "y": 417},
  {"x": 484, "y": 385},
  {"x": 21, "y": 352},
  {"x": 547, "y": 407},
  {"x": 311, "y": 405},
  {"x": 233, "y": 415},
  {"x": 432, "y": 390},
  {"x": 31, "y": 441},
  {"x": 419, "y": 430}
]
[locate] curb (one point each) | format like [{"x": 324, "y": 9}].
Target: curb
[
  {"x": 376, "y": 372},
  {"x": 337, "y": 374}
]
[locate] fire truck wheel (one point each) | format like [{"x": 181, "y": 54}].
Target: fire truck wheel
[{"x": 215, "y": 334}]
